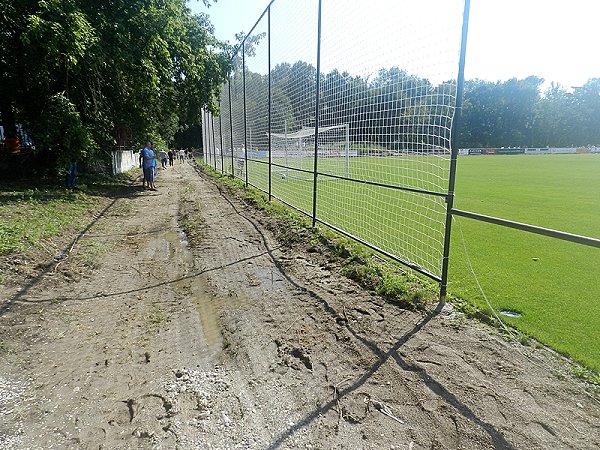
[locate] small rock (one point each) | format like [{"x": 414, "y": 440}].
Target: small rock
[{"x": 226, "y": 420}]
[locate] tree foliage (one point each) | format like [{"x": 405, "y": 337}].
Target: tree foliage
[
  {"x": 400, "y": 110},
  {"x": 83, "y": 75},
  {"x": 517, "y": 113}
]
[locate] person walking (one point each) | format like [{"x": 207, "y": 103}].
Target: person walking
[
  {"x": 149, "y": 165},
  {"x": 163, "y": 159},
  {"x": 181, "y": 156},
  {"x": 142, "y": 167},
  {"x": 171, "y": 155}
]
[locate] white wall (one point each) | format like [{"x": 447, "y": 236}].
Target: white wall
[{"x": 124, "y": 161}]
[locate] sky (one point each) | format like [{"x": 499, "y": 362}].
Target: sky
[{"x": 554, "y": 39}]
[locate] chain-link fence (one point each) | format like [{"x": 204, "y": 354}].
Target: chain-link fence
[
  {"x": 345, "y": 113},
  {"x": 348, "y": 112}
]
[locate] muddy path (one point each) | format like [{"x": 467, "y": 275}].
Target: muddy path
[{"x": 140, "y": 338}]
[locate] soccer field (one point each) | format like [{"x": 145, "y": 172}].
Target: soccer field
[{"x": 553, "y": 284}]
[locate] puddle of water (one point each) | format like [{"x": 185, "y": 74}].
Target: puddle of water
[
  {"x": 206, "y": 305},
  {"x": 194, "y": 286},
  {"x": 208, "y": 318},
  {"x": 508, "y": 313},
  {"x": 270, "y": 278},
  {"x": 183, "y": 240},
  {"x": 178, "y": 246}
]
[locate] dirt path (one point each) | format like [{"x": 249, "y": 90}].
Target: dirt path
[{"x": 243, "y": 342}]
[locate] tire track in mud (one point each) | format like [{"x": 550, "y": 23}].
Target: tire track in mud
[
  {"x": 94, "y": 354},
  {"x": 244, "y": 342},
  {"x": 335, "y": 351}
]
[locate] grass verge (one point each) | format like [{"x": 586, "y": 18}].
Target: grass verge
[
  {"x": 354, "y": 260},
  {"x": 32, "y": 212}
]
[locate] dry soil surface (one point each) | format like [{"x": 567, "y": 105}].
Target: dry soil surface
[{"x": 131, "y": 337}]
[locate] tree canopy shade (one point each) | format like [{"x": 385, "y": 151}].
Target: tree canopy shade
[{"x": 85, "y": 75}]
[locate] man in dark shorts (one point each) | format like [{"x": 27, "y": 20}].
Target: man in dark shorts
[{"x": 163, "y": 159}]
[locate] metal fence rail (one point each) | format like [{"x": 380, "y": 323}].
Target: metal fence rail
[
  {"x": 345, "y": 114},
  {"x": 350, "y": 115}
]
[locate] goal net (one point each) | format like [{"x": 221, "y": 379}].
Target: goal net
[{"x": 293, "y": 152}]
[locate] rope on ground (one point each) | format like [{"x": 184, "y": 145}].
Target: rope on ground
[
  {"x": 470, "y": 264},
  {"x": 540, "y": 364}
]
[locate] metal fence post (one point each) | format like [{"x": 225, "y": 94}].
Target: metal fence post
[
  {"x": 203, "y": 115},
  {"x": 317, "y": 101},
  {"x": 212, "y": 118},
  {"x": 460, "y": 81},
  {"x": 348, "y": 150},
  {"x": 269, "y": 96},
  {"x": 205, "y": 133},
  {"x": 207, "y": 148},
  {"x": 208, "y": 143},
  {"x": 245, "y": 118},
  {"x": 231, "y": 128},
  {"x": 221, "y": 138}
]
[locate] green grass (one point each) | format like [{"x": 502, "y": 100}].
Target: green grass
[
  {"x": 91, "y": 250},
  {"x": 32, "y": 211},
  {"x": 386, "y": 218},
  {"x": 28, "y": 216},
  {"x": 552, "y": 283}
]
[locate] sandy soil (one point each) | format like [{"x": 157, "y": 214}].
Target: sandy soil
[{"x": 132, "y": 337}]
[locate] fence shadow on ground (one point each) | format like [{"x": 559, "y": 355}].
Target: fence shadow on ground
[{"x": 497, "y": 439}]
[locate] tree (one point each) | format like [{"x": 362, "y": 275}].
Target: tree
[
  {"x": 556, "y": 118},
  {"x": 587, "y": 99},
  {"x": 43, "y": 46},
  {"x": 119, "y": 70},
  {"x": 500, "y": 113}
]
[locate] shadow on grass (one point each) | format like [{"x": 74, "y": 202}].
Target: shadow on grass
[
  {"x": 53, "y": 189},
  {"x": 116, "y": 189}
]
